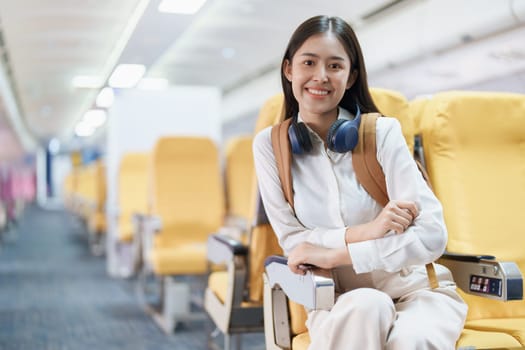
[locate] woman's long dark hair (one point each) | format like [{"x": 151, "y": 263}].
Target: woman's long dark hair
[{"x": 358, "y": 92}]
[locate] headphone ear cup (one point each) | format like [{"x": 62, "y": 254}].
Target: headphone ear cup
[
  {"x": 330, "y": 139},
  {"x": 299, "y": 138},
  {"x": 343, "y": 135}
]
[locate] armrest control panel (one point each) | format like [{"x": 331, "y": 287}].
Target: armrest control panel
[
  {"x": 486, "y": 285},
  {"x": 486, "y": 277}
]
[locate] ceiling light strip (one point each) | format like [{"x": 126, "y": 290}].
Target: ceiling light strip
[{"x": 114, "y": 55}]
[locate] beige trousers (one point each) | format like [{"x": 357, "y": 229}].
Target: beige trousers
[{"x": 368, "y": 319}]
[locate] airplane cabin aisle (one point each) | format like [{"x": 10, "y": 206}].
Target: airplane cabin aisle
[{"x": 56, "y": 295}]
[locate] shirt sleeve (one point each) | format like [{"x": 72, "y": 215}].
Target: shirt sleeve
[
  {"x": 424, "y": 241},
  {"x": 289, "y": 230}
]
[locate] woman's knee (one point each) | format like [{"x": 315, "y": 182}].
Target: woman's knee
[
  {"x": 368, "y": 302},
  {"x": 419, "y": 335},
  {"x": 417, "y": 339},
  {"x": 407, "y": 340}
]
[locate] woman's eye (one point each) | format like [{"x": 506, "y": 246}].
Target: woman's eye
[
  {"x": 335, "y": 66},
  {"x": 308, "y": 63}
]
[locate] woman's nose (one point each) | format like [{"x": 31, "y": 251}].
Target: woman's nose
[{"x": 320, "y": 74}]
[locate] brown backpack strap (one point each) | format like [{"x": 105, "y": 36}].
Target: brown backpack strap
[
  {"x": 371, "y": 176},
  {"x": 431, "y": 275},
  {"x": 283, "y": 157},
  {"x": 364, "y": 159},
  {"x": 424, "y": 173}
]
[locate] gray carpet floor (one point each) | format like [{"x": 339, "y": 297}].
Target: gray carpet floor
[{"x": 55, "y": 295}]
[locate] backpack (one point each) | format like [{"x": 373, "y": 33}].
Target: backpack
[{"x": 364, "y": 160}]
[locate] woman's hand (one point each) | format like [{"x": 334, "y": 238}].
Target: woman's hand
[
  {"x": 307, "y": 256},
  {"x": 396, "y": 216}
]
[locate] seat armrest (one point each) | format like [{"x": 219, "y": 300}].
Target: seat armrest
[
  {"x": 485, "y": 276},
  {"x": 145, "y": 227},
  {"x": 138, "y": 219},
  {"x": 222, "y": 248},
  {"x": 312, "y": 290},
  {"x": 91, "y": 205},
  {"x": 467, "y": 257},
  {"x": 150, "y": 223},
  {"x": 235, "y": 226}
]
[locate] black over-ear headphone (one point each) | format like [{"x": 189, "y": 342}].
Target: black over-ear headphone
[{"x": 342, "y": 136}]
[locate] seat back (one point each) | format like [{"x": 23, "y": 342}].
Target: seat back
[
  {"x": 475, "y": 155},
  {"x": 262, "y": 241},
  {"x": 186, "y": 189},
  {"x": 94, "y": 175},
  {"x": 271, "y": 113},
  {"x": 100, "y": 225},
  {"x": 416, "y": 111},
  {"x": 85, "y": 185},
  {"x": 87, "y": 190},
  {"x": 239, "y": 173},
  {"x": 133, "y": 189},
  {"x": 68, "y": 189},
  {"x": 394, "y": 104}
]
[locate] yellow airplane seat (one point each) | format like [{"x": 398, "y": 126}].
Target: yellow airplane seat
[
  {"x": 475, "y": 155},
  {"x": 186, "y": 205},
  {"x": 96, "y": 219},
  {"x": 239, "y": 173},
  {"x": 233, "y": 298},
  {"x": 87, "y": 201},
  {"x": 83, "y": 193},
  {"x": 133, "y": 189},
  {"x": 68, "y": 190}
]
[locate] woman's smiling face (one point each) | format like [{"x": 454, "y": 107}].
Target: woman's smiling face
[{"x": 320, "y": 74}]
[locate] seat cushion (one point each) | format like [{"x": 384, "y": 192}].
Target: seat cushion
[
  {"x": 486, "y": 340},
  {"x": 182, "y": 233},
  {"x": 301, "y": 341},
  {"x": 514, "y": 327},
  {"x": 263, "y": 243},
  {"x": 298, "y": 317},
  {"x": 183, "y": 259},
  {"x": 469, "y": 337},
  {"x": 218, "y": 284}
]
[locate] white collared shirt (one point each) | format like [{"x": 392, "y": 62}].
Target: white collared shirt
[{"x": 328, "y": 199}]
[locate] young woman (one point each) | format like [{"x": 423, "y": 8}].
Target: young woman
[{"x": 376, "y": 254}]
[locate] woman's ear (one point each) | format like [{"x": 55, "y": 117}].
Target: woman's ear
[
  {"x": 287, "y": 69},
  {"x": 352, "y": 78}
]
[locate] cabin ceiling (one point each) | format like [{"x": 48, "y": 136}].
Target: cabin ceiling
[{"x": 413, "y": 46}]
